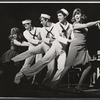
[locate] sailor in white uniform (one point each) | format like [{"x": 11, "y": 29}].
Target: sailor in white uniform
[
  {"x": 32, "y": 35},
  {"x": 46, "y": 35},
  {"x": 62, "y": 32}
]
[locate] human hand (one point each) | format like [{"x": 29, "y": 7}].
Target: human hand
[
  {"x": 98, "y": 26},
  {"x": 52, "y": 39},
  {"x": 71, "y": 40},
  {"x": 97, "y": 22},
  {"x": 26, "y": 43},
  {"x": 40, "y": 41}
]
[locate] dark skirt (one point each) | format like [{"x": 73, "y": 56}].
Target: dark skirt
[{"x": 6, "y": 57}]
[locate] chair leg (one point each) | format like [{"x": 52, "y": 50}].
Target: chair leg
[
  {"x": 74, "y": 79},
  {"x": 68, "y": 81}
]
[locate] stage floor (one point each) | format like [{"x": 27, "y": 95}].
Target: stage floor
[{"x": 31, "y": 91}]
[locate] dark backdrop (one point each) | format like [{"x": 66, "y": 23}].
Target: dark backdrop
[{"x": 11, "y": 15}]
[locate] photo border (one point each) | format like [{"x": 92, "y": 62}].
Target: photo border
[{"x": 49, "y": 1}]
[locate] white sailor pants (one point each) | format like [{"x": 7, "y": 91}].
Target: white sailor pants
[
  {"x": 54, "y": 51},
  {"x": 30, "y": 53}
]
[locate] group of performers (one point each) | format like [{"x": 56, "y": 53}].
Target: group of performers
[{"x": 61, "y": 41}]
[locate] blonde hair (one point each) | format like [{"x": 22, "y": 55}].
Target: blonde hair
[{"x": 78, "y": 10}]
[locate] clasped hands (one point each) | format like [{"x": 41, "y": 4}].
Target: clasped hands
[{"x": 98, "y": 24}]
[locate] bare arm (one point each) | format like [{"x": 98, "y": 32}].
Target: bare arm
[
  {"x": 21, "y": 44},
  {"x": 72, "y": 35},
  {"x": 80, "y": 26}
]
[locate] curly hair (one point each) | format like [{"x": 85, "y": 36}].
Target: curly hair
[
  {"x": 76, "y": 11},
  {"x": 16, "y": 31}
]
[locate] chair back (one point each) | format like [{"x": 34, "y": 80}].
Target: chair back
[{"x": 98, "y": 54}]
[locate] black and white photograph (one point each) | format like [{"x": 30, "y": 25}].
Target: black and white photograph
[{"x": 50, "y": 49}]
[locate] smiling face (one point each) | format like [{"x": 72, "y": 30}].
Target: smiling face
[
  {"x": 78, "y": 17},
  {"x": 61, "y": 17}
]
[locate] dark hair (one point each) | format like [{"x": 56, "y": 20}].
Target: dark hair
[
  {"x": 76, "y": 11},
  {"x": 59, "y": 11},
  {"x": 16, "y": 31}
]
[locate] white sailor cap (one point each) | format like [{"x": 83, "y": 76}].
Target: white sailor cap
[
  {"x": 64, "y": 11},
  {"x": 26, "y": 21},
  {"x": 45, "y": 16}
]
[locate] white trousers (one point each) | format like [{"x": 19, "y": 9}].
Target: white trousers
[
  {"x": 42, "y": 48},
  {"x": 53, "y": 52},
  {"x": 28, "y": 62}
]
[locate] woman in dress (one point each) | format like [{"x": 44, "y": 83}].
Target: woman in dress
[
  {"x": 15, "y": 42},
  {"x": 8, "y": 70},
  {"x": 78, "y": 53}
]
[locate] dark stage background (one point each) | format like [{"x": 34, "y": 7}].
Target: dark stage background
[{"x": 11, "y": 15}]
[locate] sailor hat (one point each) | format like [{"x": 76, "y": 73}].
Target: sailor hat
[
  {"x": 45, "y": 16},
  {"x": 26, "y": 21},
  {"x": 64, "y": 11}
]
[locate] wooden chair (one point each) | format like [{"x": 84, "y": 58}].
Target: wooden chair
[{"x": 73, "y": 75}]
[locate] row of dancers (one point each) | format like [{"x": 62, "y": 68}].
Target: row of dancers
[{"x": 61, "y": 41}]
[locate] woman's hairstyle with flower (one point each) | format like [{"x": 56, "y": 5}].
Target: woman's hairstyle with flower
[
  {"x": 77, "y": 11},
  {"x": 15, "y": 31}
]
